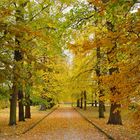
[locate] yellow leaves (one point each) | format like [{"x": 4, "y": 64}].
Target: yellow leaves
[
  {"x": 68, "y": 2},
  {"x": 51, "y": 25},
  {"x": 40, "y": 72}
]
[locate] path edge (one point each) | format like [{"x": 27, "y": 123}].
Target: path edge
[
  {"x": 36, "y": 123},
  {"x": 97, "y": 127}
]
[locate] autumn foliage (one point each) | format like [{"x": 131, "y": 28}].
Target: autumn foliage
[{"x": 70, "y": 50}]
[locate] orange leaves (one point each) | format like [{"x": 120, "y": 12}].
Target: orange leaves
[
  {"x": 136, "y": 118},
  {"x": 82, "y": 47},
  {"x": 87, "y": 46},
  {"x": 4, "y": 13},
  {"x": 73, "y": 47},
  {"x": 106, "y": 42},
  {"x": 100, "y": 5},
  {"x": 125, "y": 82}
]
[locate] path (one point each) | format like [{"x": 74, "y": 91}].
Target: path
[{"x": 63, "y": 124}]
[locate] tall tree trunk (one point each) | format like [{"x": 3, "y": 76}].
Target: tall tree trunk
[
  {"x": 27, "y": 107},
  {"x": 104, "y": 107},
  {"x": 13, "y": 104},
  {"x": 85, "y": 100},
  {"x": 101, "y": 105},
  {"x": 115, "y": 117},
  {"x": 98, "y": 73},
  {"x": 92, "y": 103},
  {"x": 14, "y": 95},
  {"x": 115, "y": 113},
  {"x": 27, "y": 96},
  {"x": 78, "y": 103},
  {"x": 18, "y": 56},
  {"x": 27, "y": 111},
  {"x": 96, "y": 103},
  {"x": 81, "y": 102},
  {"x": 101, "y": 109},
  {"x": 20, "y": 104}
]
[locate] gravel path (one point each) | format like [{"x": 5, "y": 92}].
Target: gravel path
[{"x": 63, "y": 124}]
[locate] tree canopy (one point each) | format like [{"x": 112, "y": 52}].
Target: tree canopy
[{"x": 60, "y": 49}]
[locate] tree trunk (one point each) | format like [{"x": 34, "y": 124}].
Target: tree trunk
[
  {"x": 115, "y": 117},
  {"x": 96, "y": 103},
  {"x": 81, "y": 102},
  {"x": 14, "y": 95},
  {"x": 104, "y": 107},
  {"x": 20, "y": 105},
  {"x": 98, "y": 73},
  {"x": 43, "y": 107},
  {"x": 115, "y": 113},
  {"x": 92, "y": 103},
  {"x": 101, "y": 105},
  {"x": 27, "y": 111},
  {"x": 27, "y": 107},
  {"x": 101, "y": 109},
  {"x": 18, "y": 56},
  {"x": 13, "y": 104},
  {"x": 78, "y": 103},
  {"x": 85, "y": 100}
]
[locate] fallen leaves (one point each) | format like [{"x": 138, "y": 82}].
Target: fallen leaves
[{"x": 119, "y": 132}]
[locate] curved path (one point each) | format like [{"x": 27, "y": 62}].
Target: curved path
[{"x": 63, "y": 124}]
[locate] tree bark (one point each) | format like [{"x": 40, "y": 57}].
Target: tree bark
[
  {"x": 14, "y": 95},
  {"x": 96, "y": 103},
  {"x": 101, "y": 109},
  {"x": 27, "y": 111},
  {"x": 27, "y": 96},
  {"x": 18, "y": 56},
  {"x": 101, "y": 105},
  {"x": 98, "y": 73},
  {"x": 81, "y": 102},
  {"x": 115, "y": 117},
  {"x": 20, "y": 105},
  {"x": 27, "y": 107},
  {"x": 85, "y": 100},
  {"x": 92, "y": 103},
  {"x": 115, "y": 113},
  {"x": 78, "y": 103},
  {"x": 13, "y": 104}
]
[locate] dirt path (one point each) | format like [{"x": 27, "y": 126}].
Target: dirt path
[{"x": 63, "y": 124}]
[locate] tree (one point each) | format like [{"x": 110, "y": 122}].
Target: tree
[
  {"x": 29, "y": 33},
  {"x": 34, "y": 38},
  {"x": 112, "y": 53},
  {"x": 109, "y": 17}
]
